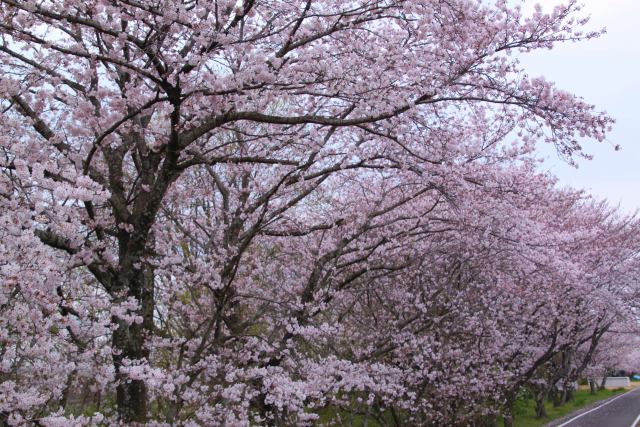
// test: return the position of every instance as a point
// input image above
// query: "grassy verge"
(525, 413)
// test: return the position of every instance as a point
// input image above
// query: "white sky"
(605, 72)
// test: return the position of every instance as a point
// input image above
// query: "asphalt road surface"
(620, 411)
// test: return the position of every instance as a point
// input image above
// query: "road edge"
(559, 421)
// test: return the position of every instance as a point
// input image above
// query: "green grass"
(525, 412)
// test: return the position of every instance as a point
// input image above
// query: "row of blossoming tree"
(272, 212)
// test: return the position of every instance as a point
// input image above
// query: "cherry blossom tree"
(268, 212)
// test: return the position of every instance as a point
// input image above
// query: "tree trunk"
(603, 382)
(568, 392)
(557, 399)
(540, 397)
(129, 342)
(541, 411)
(592, 385)
(508, 418)
(131, 399)
(551, 395)
(509, 421)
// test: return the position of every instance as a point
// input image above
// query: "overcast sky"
(605, 72)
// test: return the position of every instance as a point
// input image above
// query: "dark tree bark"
(508, 418)
(540, 398)
(129, 340)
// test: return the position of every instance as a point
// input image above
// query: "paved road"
(619, 411)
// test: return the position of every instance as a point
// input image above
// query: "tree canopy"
(274, 212)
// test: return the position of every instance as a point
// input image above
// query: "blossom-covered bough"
(291, 212)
